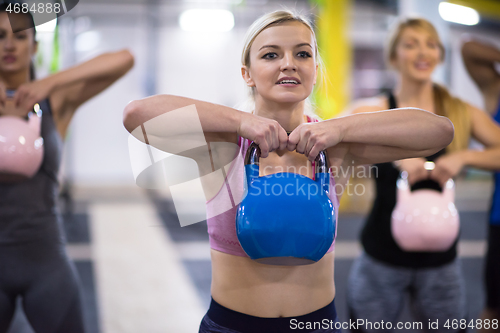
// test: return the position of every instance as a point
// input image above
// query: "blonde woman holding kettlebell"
(280, 66)
(386, 272)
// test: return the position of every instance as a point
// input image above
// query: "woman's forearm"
(476, 51)
(154, 109)
(104, 66)
(488, 159)
(408, 128)
(174, 124)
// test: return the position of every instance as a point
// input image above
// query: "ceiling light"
(206, 20)
(458, 14)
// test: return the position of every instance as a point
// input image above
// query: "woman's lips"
(9, 59)
(287, 84)
(288, 81)
(422, 65)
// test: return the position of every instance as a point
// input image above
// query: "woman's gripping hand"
(267, 133)
(311, 138)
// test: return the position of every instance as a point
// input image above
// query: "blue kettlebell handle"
(252, 165)
(253, 156)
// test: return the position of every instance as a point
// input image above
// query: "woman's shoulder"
(372, 104)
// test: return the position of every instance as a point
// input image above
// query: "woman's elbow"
(129, 59)
(130, 115)
(125, 59)
(446, 132)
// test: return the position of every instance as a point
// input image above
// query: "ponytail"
(456, 110)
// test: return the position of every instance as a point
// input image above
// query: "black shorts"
(492, 272)
(220, 319)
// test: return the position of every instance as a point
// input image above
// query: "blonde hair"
(265, 21)
(444, 103)
(457, 111)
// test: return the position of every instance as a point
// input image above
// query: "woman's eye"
(270, 55)
(21, 36)
(304, 54)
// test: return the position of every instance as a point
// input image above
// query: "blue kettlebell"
(285, 218)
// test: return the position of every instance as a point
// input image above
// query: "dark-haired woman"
(33, 261)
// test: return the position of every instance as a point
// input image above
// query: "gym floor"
(141, 272)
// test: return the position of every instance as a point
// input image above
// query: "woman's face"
(282, 63)
(16, 49)
(417, 54)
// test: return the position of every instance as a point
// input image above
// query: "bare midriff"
(269, 291)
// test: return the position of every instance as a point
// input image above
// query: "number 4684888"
(40, 7)
(473, 324)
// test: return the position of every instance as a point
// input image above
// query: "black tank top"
(28, 208)
(376, 236)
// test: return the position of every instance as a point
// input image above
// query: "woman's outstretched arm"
(375, 137)
(480, 59)
(70, 88)
(173, 121)
(201, 131)
(486, 131)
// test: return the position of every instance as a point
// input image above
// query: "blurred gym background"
(142, 272)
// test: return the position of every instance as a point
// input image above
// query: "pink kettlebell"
(21, 146)
(425, 220)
